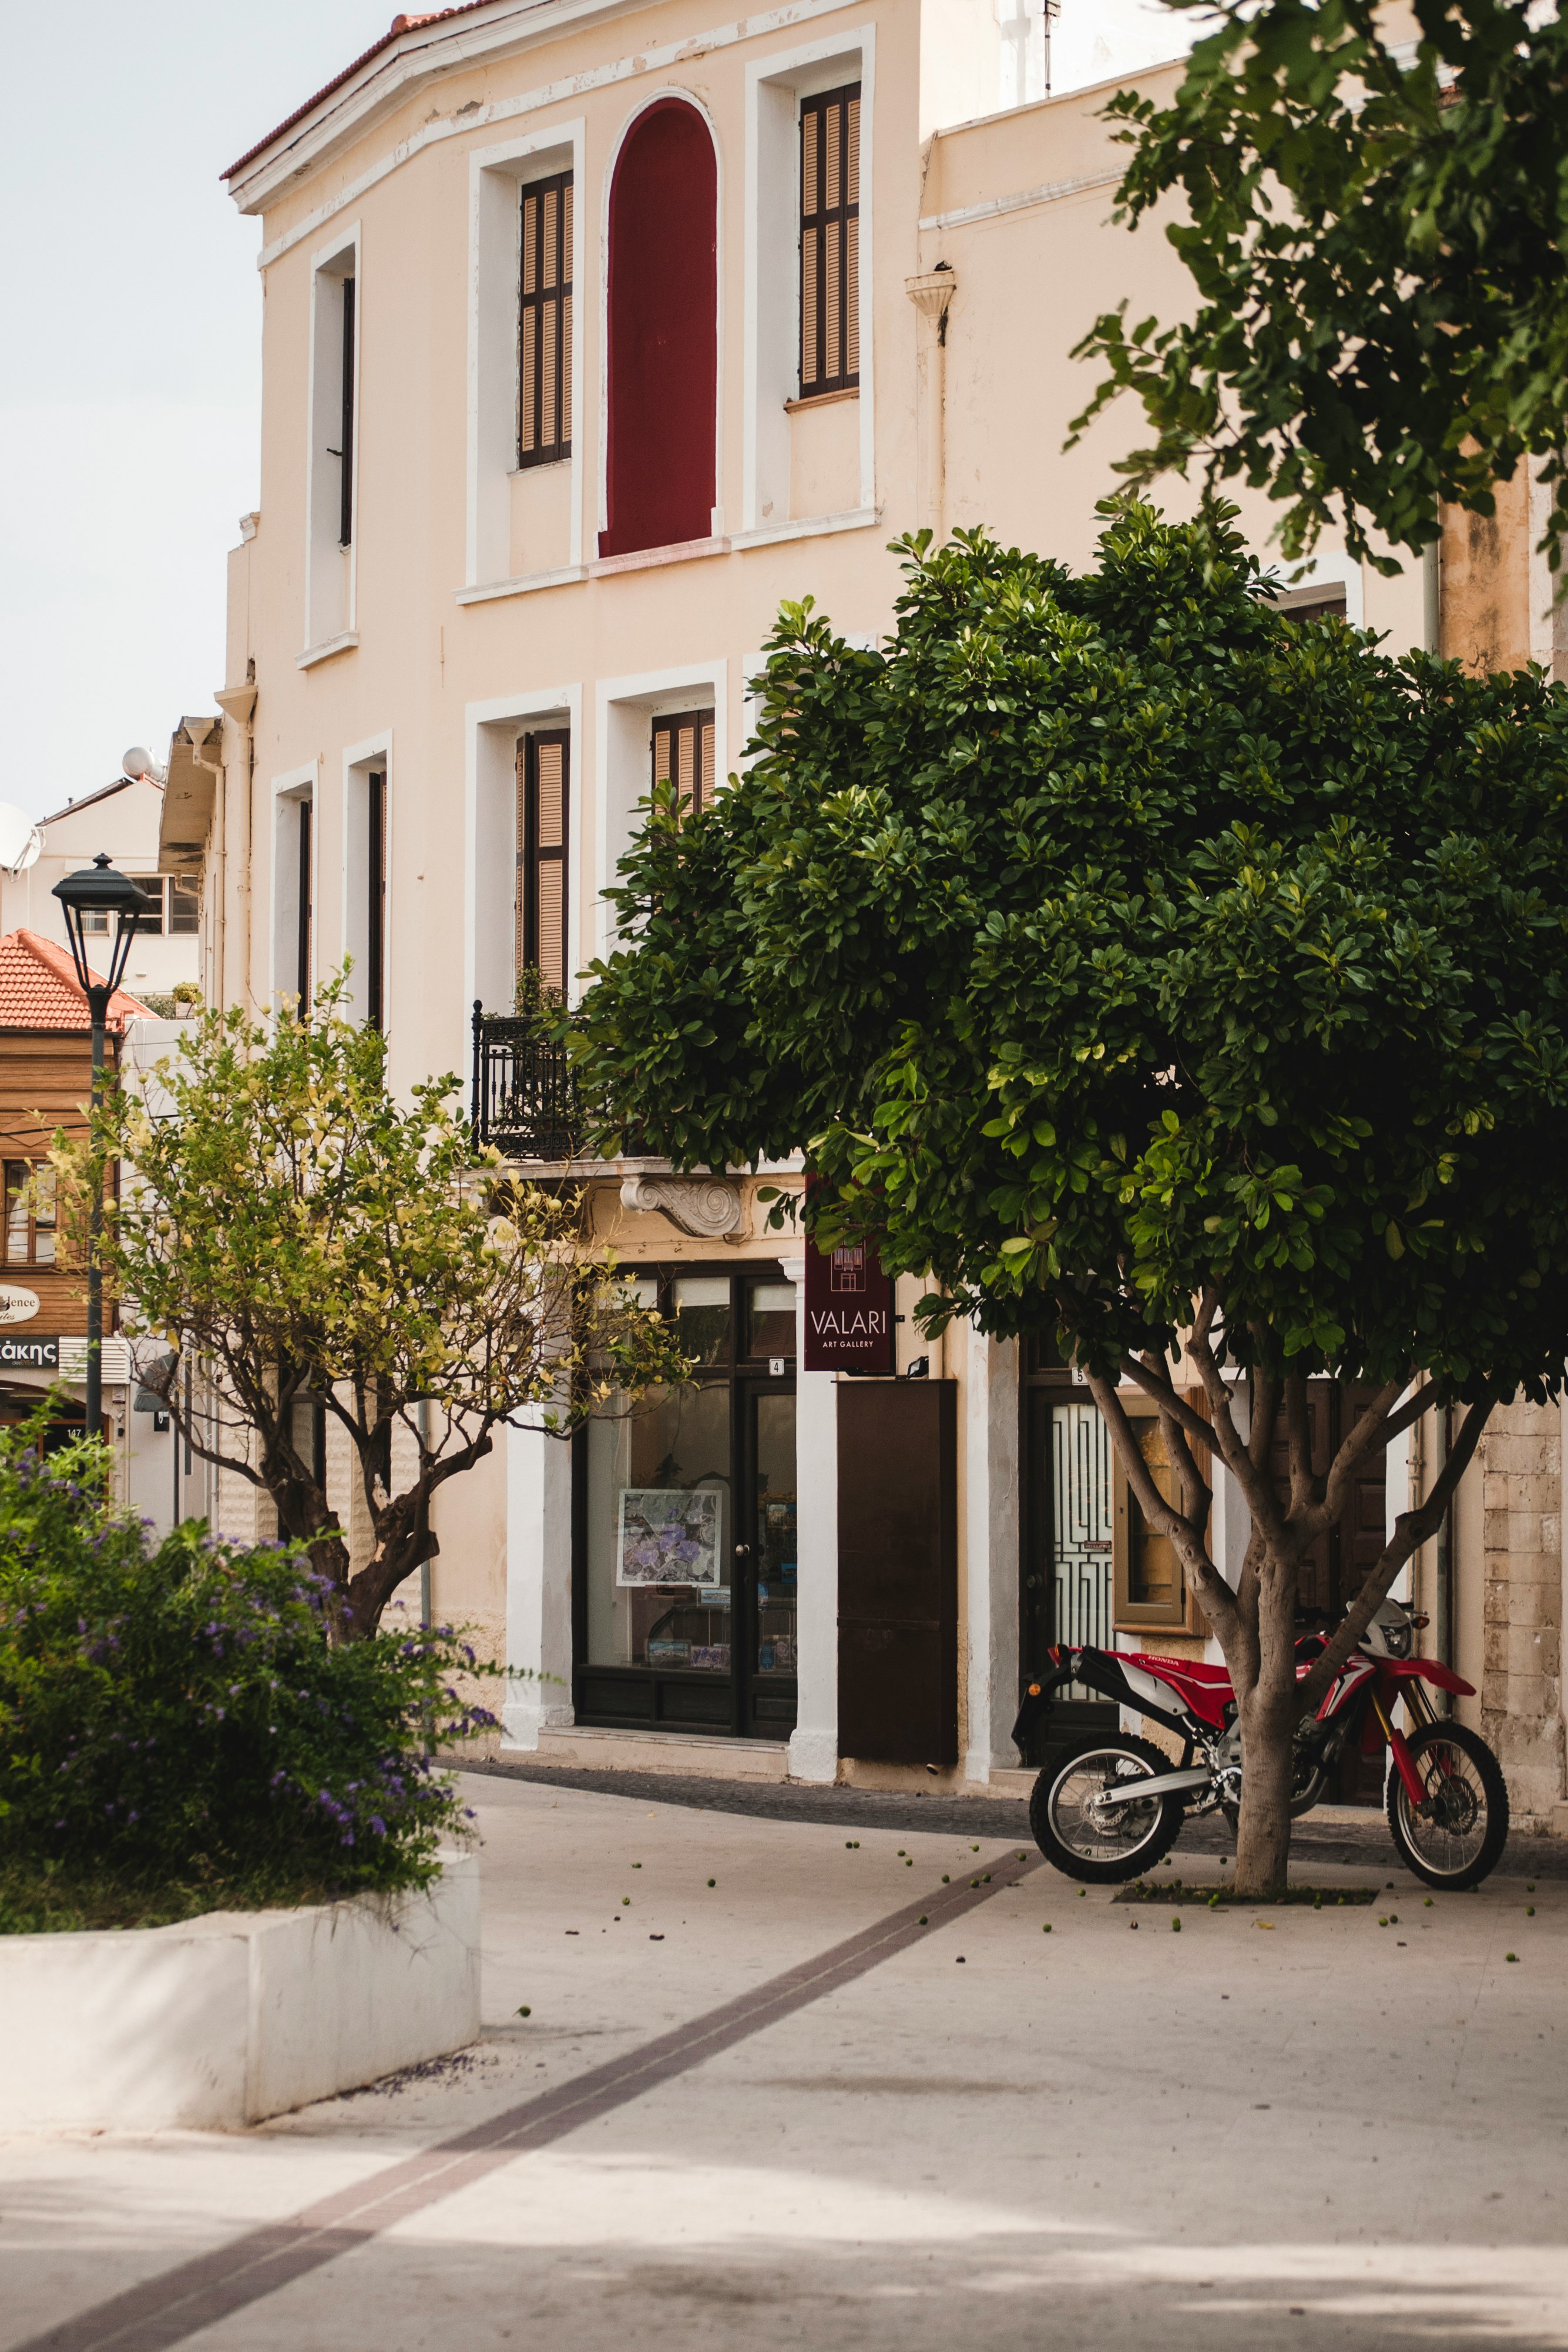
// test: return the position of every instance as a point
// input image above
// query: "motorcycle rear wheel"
(1097, 1845)
(1460, 1841)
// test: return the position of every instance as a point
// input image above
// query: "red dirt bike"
(1111, 1807)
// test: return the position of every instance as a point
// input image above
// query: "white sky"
(129, 358)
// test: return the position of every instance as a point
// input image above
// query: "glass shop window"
(1151, 1590)
(702, 1317)
(770, 1318)
(660, 1530)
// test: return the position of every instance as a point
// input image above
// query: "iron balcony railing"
(525, 1098)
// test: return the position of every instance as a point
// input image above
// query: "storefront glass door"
(684, 1555)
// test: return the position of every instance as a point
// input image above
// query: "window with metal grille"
(543, 768)
(684, 752)
(830, 241)
(29, 1213)
(544, 354)
(376, 898)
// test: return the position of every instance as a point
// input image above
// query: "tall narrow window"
(661, 315)
(544, 356)
(29, 1213)
(376, 904)
(542, 779)
(830, 241)
(684, 751)
(184, 903)
(346, 433)
(302, 943)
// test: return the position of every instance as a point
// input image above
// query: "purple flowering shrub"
(174, 1712)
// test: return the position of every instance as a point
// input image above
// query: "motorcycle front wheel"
(1456, 1837)
(1085, 1837)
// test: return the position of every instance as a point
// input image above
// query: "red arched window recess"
(663, 332)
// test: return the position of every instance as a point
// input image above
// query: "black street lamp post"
(99, 889)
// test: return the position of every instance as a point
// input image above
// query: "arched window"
(663, 332)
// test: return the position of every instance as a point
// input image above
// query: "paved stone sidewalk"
(1112, 2135)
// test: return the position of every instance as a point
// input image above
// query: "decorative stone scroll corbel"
(704, 1206)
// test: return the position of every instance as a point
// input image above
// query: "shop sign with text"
(36, 1353)
(848, 1312)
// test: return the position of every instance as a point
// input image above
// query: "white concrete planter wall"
(221, 2020)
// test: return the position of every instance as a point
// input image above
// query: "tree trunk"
(1263, 1836)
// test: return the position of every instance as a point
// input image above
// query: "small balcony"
(525, 1100)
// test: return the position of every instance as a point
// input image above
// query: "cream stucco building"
(592, 332)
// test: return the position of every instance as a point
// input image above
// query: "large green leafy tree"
(1376, 238)
(1165, 977)
(306, 1245)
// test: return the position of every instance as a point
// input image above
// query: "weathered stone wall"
(1521, 1569)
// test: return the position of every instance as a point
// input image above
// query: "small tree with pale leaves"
(302, 1240)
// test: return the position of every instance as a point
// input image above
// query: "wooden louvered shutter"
(544, 357)
(684, 750)
(830, 241)
(543, 768)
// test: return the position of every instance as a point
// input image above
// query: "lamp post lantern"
(99, 889)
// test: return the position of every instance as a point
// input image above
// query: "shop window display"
(686, 1547)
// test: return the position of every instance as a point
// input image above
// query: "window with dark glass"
(29, 1213)
(376, 898)
(543, 769)
(544, 351)
(306, 911)
(346, 478)
(830, 241)
(683, 753)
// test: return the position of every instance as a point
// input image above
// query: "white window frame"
(715, 518)
(775, 87)
(496, 177)
(288, 791)
(624, 712)
(490, 840)
(331, 571)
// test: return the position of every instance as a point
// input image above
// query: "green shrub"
(174, 1719)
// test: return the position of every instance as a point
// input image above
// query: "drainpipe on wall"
(932, 294)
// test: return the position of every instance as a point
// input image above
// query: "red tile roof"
(39, 989)
(400, 25)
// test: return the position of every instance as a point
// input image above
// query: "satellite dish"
(20, 840)
(138, 762)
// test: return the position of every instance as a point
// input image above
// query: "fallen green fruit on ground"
(712, 1882)
(1175, 1927)
(1046, 1929)
(525, 2013)
(1530, 1910)
(921, 1921)
(1510, 1956)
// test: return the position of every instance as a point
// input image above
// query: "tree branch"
(1411, 1530)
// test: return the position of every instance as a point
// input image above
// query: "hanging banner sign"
(848, 1312)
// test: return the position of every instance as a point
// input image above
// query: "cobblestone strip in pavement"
(171, 2308)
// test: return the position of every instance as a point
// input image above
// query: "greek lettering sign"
(33, 1354)
(848, 1312)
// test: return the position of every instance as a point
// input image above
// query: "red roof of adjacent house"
(400, 25)
(39, 989)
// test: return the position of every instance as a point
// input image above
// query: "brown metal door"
(898, 1571)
